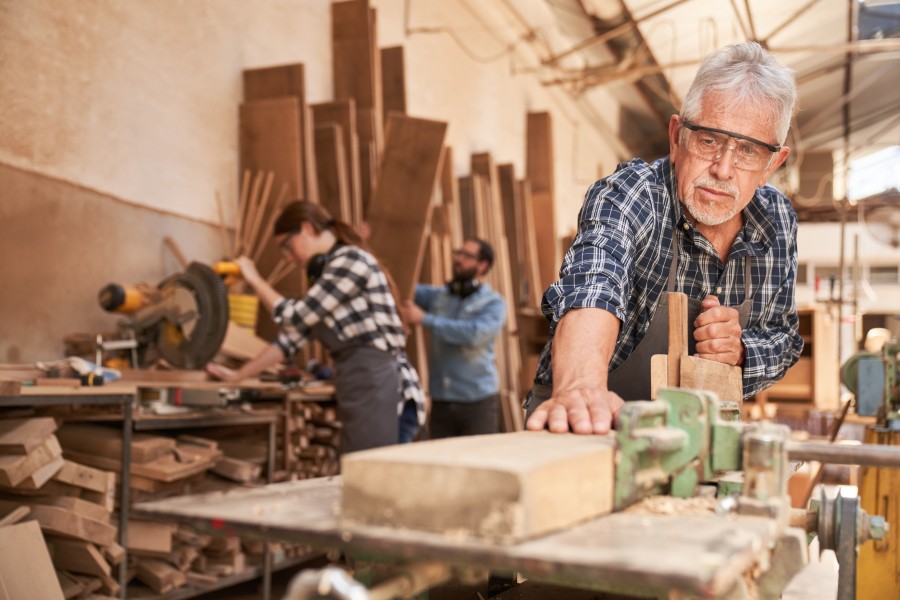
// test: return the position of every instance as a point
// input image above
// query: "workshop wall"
(118, 127)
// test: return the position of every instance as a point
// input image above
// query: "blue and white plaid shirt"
(620, 259)
(352, 298)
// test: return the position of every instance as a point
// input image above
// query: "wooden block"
(678, 336)
(240, 343)
(14, 468)
(107, 442)
(58, 382)
(78, 557)
(113, 553)
(160, 576)
(724, 380)
(659, 373)
(503, 487)
(60, 521)
(39, 478)
(149, 536)
(91, 584)
(71, 587)
(237, 470)
(21, 436)
(85, 477)
(77, 505)
(201, 580)
(16, 515)
(26, 570)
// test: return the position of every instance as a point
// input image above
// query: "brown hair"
(298, 212)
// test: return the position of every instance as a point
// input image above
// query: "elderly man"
(702, 221)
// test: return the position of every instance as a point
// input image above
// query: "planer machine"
(684, 446)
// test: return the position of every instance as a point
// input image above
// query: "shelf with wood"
(811, 384)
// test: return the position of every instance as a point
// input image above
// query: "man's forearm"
(582, 347)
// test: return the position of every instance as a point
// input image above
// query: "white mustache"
(719, 186)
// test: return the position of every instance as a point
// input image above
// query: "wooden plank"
(237, 470)
(78, 556)
(159, 575)
(539, 171)
(15, 468)
(280, 81)
(450, 199)
(68, 523)
(393, 77)
(369, 156)
(107, 442)
(702, 374)
(678, 336)
(514, 229)
(26, 570)
(412, 160)
(536, 289)
(659, 373)
(188, 460)
(331, 169)
(88, 478)
(21, 436)
(356, 61)
(536, 482)
(343, 113)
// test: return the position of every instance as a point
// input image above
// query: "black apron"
(631, 379)
(367, 390)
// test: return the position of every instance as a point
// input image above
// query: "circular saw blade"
(190, 338)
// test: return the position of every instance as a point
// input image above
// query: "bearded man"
(463, 318)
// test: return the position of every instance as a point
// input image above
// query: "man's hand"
(581, 410)
(411, 312)
(718, 333)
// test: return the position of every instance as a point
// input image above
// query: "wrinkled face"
(465, 262)
(717, 173)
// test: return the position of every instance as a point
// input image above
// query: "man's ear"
(779, 159)
(674, 131)
(483, 268)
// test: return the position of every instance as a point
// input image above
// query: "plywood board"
(393, 77)
(503, 487)
(343, 113)
(281, 81)
(26, 570)
(331, 168)
(412, 160)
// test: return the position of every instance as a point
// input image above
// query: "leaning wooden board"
(653, 553)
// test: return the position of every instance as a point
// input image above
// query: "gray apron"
(631, 379)
(367, 390)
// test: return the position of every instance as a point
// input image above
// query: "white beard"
(712, 214)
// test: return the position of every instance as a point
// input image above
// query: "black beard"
(460, 274)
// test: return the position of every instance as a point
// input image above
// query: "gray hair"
(746, 73)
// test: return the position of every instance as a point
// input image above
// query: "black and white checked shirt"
(352, 298)
(620, 259)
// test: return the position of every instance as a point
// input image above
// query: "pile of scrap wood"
(70, 503)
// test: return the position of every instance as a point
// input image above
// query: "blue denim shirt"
(461, 363)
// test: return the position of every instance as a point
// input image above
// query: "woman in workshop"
(349, 307)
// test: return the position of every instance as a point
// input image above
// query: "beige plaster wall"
(118, 127)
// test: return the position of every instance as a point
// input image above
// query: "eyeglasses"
(463, 253)
(285, 244)
(709, 143)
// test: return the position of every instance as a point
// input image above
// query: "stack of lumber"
(159, 465)
(315, 437)
(70, 503)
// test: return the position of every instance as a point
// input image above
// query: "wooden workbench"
(651, 554)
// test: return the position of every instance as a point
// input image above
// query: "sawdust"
(670, 505)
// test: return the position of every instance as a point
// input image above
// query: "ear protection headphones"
(463, 289)
(317, 262)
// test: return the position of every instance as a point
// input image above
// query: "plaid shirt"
(620, 259)
(353, 299)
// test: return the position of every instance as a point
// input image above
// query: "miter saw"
(184, 317)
